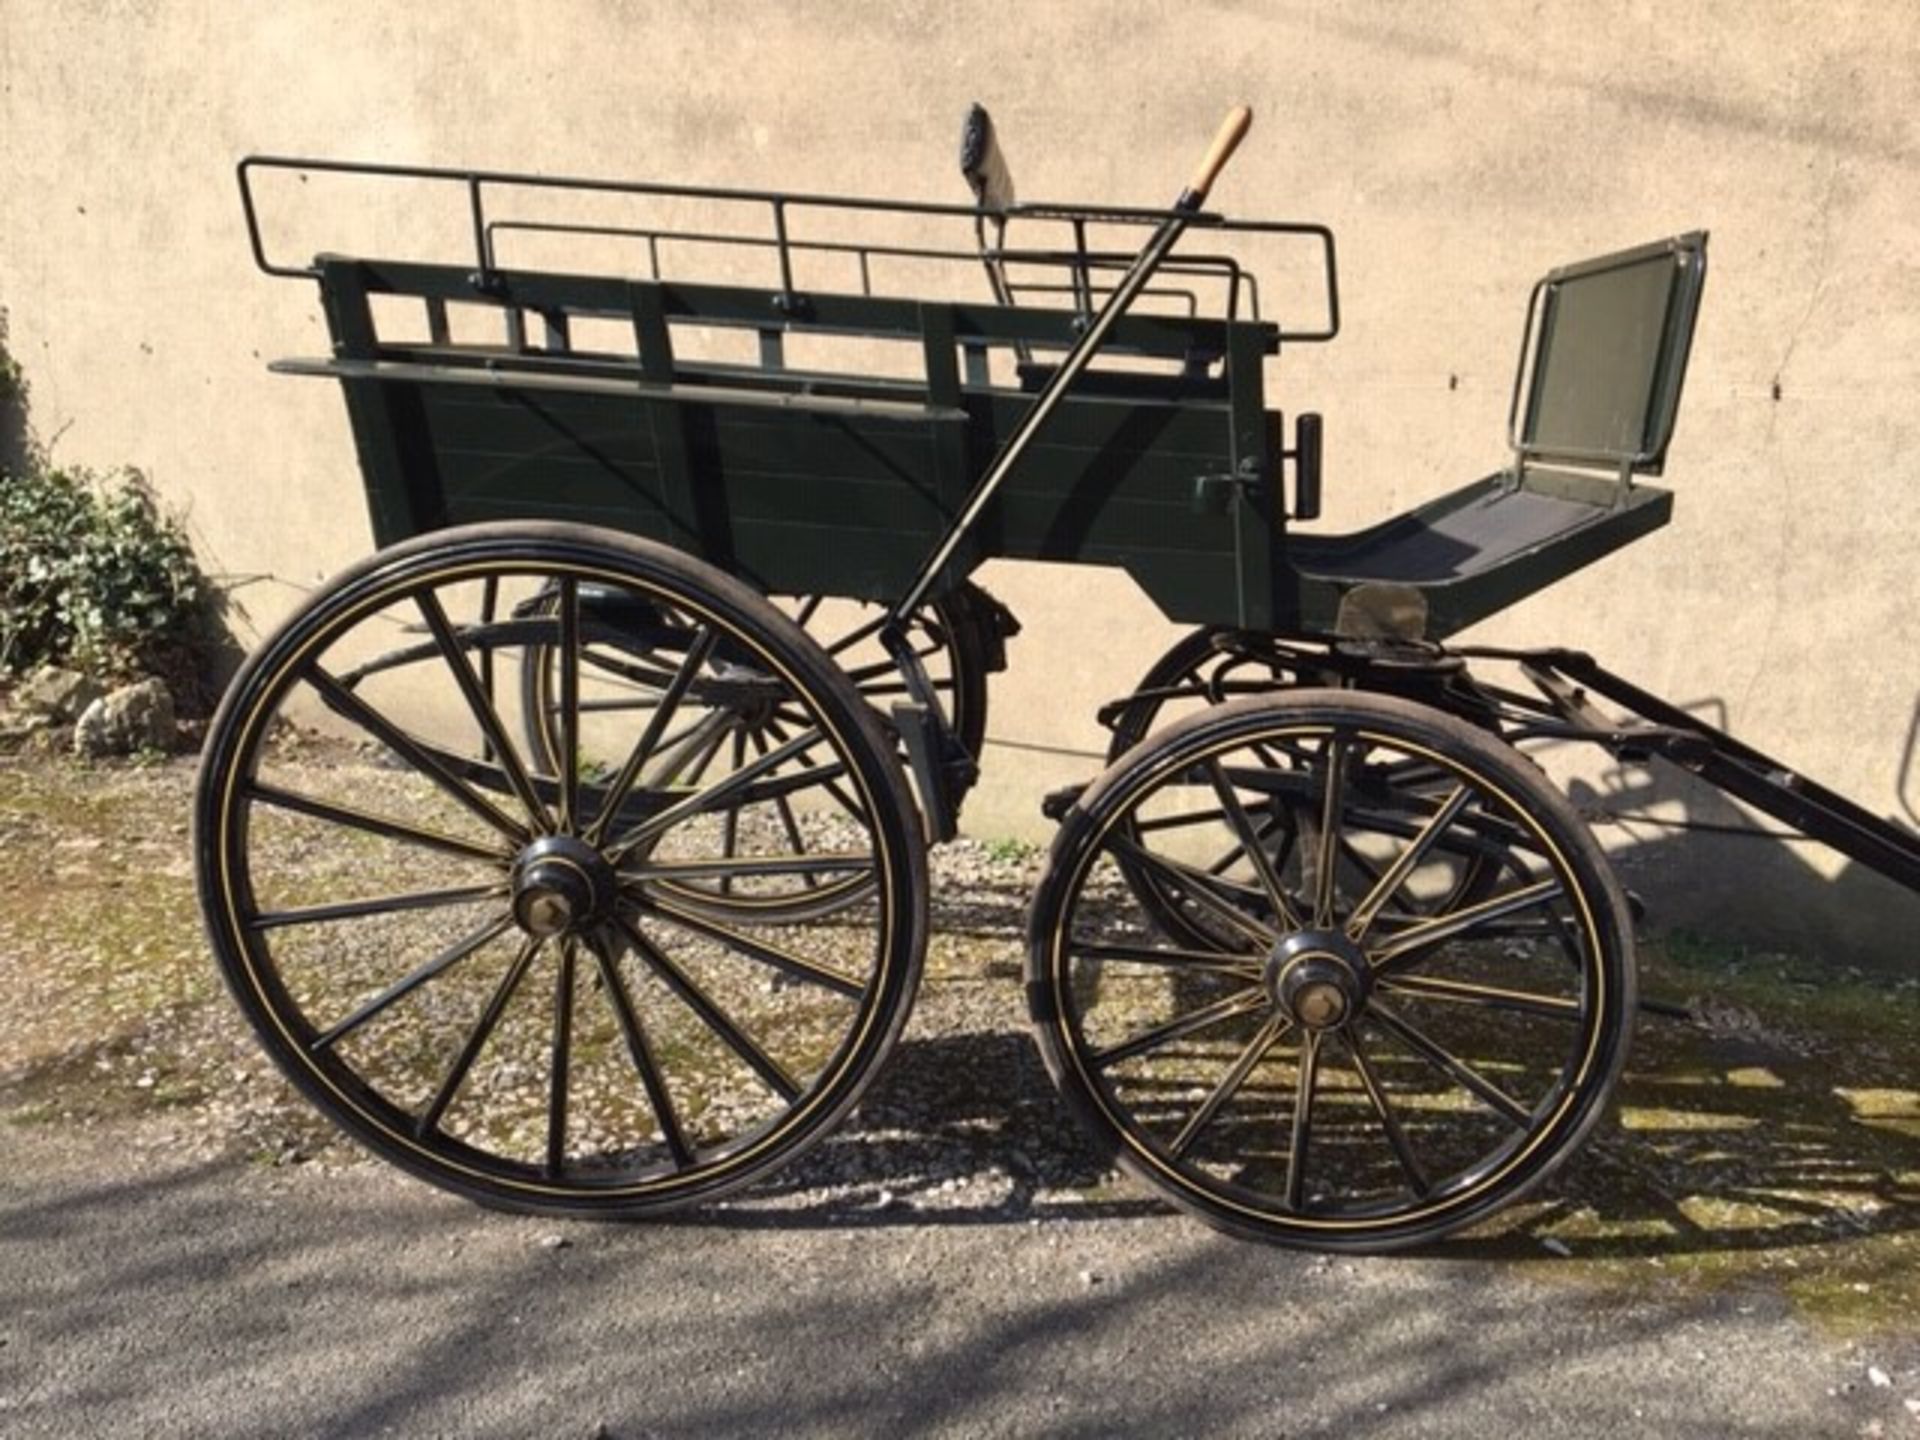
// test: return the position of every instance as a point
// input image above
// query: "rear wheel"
(1200, 669)
(1331, 1054)
(482, 965)
(954, 637)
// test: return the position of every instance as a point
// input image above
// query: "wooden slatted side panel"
(397, 462)
(790, 502)
(543, 454)
(1111, 481)
(815, 500)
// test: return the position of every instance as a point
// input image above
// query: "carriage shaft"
(1748, 775)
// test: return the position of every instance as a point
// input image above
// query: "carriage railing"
(1084, 287)
(1079, 260)
(1080, 263)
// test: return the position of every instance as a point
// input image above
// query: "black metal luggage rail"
(1076, 259)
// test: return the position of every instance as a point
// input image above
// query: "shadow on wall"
(1762, 885)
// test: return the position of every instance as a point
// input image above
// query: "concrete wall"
(1458, 151)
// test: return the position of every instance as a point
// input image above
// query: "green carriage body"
(803, 482)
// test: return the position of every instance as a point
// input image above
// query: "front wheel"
(482, 966)
(1331, 1054)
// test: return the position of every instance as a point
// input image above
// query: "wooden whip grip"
(1232, 131)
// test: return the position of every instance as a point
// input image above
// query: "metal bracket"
(943, 770)
(1056, 803)
(1215, 494)
(917, 733)
(1625, 490)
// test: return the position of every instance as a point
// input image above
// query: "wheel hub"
(1319, 978)
(561, 885)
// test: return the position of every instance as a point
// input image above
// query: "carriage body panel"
(839, 483)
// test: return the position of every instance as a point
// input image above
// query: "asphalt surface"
(152, 1295)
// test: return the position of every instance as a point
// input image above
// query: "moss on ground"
(1772, 1143)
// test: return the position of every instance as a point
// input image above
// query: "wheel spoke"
(1229, 1084)
(717, 794)
(569, 767)
(880, 669)
(411, 981)
(730, 822)
(1326, 852)
(1199, 961)
(702, 757)
(1434, 987)
(1350, 853)
(1225, 863)
(1389, 1123)
(797, 966)
(647, 701)
(854, 637)
(641, 1053)
(784, 809)
(1406, 862)
(846, 802)
(1241, 1002)
(1176, 822)
(1289, 778)
(1302, 1119)
(1254, 847)
(475, 693)
(1463, 1074)
(344, 702)
(687, 750)
(1398, 947)
(751, 865)
(489, 604)
(372, 824)
(642, 751)
(640, 679)
(715, 1019)
(808, 604)
(560, 1065)
(871, 691)
(1195, 886)
(378, 905)
(477, 1038)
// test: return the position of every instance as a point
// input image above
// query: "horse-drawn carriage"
(673, 665)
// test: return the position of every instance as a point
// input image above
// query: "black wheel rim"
(531, 1014)
(1457, 1048)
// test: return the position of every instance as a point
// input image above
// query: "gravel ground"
(190, 1250)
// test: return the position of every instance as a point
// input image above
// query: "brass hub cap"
(1319, 978)
(561, 886)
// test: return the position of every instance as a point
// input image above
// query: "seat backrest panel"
(1604, 356)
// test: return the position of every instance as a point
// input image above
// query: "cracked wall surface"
(1457, 151)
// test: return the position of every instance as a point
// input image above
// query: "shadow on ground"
(1737, 1132)
(381, 1308)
